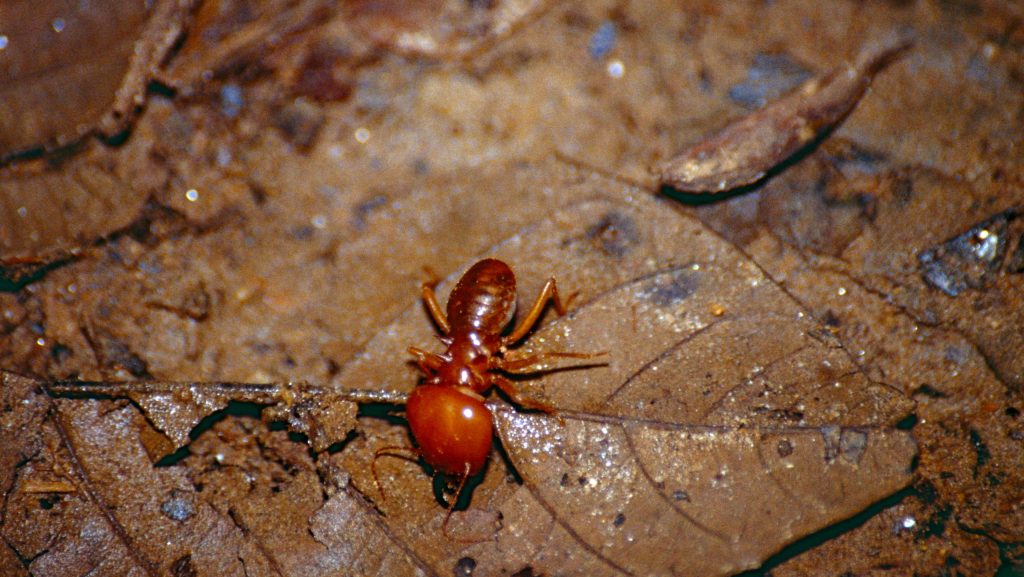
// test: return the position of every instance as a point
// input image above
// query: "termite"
(447, 417)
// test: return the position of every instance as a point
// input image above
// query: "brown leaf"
(70, 68)
(123, 515)
(175, 409)
(745, 151)
(707, 358)
(50, 214)
(724, 415)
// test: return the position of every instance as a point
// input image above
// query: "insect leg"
(550, 291)
(430, 299)
(407, 453)
(427, 361)
(536, 363)
(517, 396)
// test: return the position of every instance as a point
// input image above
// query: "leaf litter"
(266, 486)
(657, 422)
(638, 440)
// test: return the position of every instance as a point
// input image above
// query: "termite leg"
(534, 363)
(550, 291)
(433, 307)
(427, 361)
(407, 453)
(517, 396)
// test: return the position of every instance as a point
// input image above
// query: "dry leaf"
(746, 150)
(70, 68)
(300, 179)
(717, 387)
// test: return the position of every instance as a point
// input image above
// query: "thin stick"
(262, 393)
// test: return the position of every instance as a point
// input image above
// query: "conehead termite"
(447, 417)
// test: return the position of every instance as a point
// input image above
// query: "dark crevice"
(16, 276)
(1008, 566)
(25, 561)
(907, 423)
(173, 458)
(835, 531)
(981, 451)
(339, 446)
(233, 409)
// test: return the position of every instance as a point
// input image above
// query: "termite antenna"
(451, 509)
(406, 453)
(433, 279)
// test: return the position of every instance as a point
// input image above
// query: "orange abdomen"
(484, 299)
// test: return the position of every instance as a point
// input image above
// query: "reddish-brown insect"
(446, 413)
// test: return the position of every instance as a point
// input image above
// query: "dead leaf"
(746, 150)
(713, 434)
(71, 68)
(49, 215)
(712, 360)
(128, 516)
(298, 257)
(175, 409)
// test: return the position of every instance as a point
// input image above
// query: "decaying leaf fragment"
(175, 408)
(969, 259)
(255, 506)
(746, 150)
(69, 68)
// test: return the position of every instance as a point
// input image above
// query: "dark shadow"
(233, 409)
(13, 278)
(384, 411)
(1008, 567)
(446, 485)
(827, 534)
(704, 198)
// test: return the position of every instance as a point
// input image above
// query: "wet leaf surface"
(737, 372)
(787, 387)
(69, 68)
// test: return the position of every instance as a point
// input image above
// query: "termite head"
(453, 428)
